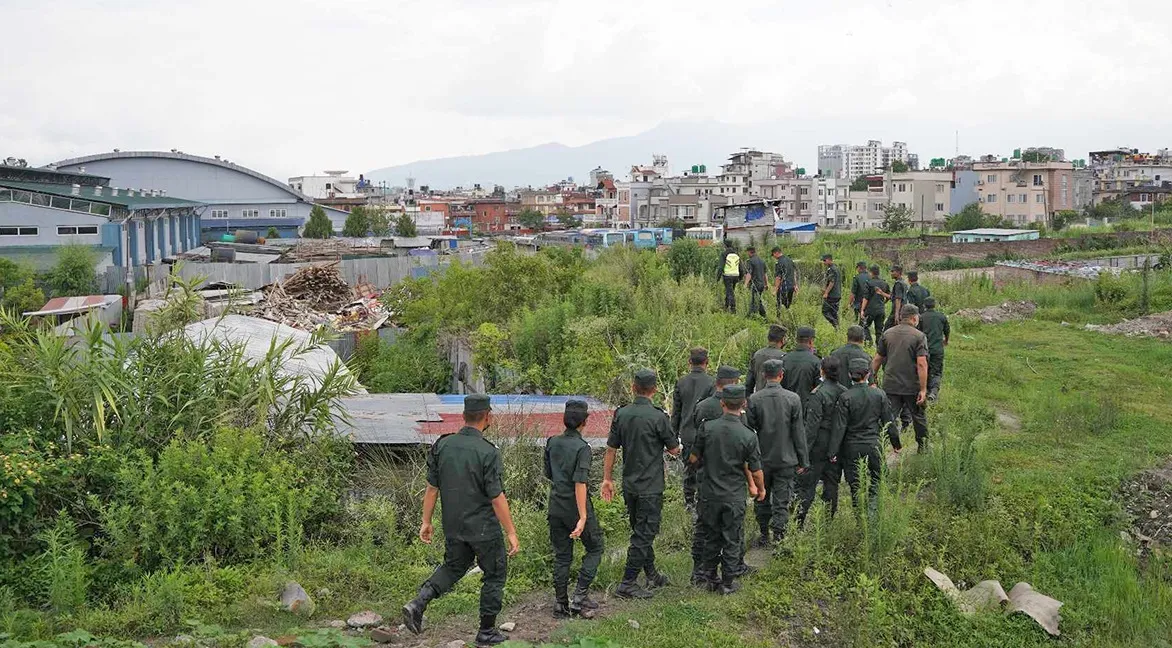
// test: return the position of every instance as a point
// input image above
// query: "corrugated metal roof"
(137, 201)
(67, 305)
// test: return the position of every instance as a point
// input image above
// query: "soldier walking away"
(755, 280)
(693, 387)
(571, 514)
(802, 366)
(464, 472)
(917, 294)
(775, 414)
(819, 417)
(728, 449)
(785, 279)
(643, 432)
(874, 304)
(730, 271)
(898, 297)
(861, 414)
(831, 290)
(859, 289)
(902, 352)
(847, 352)
(756, 379)
(935, 326)
(708, 410)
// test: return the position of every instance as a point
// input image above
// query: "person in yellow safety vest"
(731, 272)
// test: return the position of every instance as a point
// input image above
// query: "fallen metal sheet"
(988, 595)
(1041, 608)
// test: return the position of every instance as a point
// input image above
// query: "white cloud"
(293, 86)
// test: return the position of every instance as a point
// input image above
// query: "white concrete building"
(845, 161)
(332, 184)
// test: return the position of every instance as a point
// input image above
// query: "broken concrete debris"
(1006, 312)
(1158, 325)
(989, 595)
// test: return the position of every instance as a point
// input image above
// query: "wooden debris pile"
(317, 296)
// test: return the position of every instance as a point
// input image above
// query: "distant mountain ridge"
(685, 144)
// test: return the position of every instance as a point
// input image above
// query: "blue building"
(964, 190)
(236, 197)
(44, 209)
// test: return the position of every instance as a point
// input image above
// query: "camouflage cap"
(806, 333)
(726, 372)
(474, 403)
(646, 378)
(732, 392)
(858, 365)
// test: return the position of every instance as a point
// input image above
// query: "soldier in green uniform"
(755, 281)
(693, 387)
(802, 366)
(785, 279)
(831, 290)
(707, 410)
(902, 353)
(643, 431)
(728, 449)
(819, 418)
(935, 326)
(898, 297)
(874, 303)
(847, 352)
(756, 379)
(464, 472)
(775, 414)
(859, 289)
(916, 292)
(860, 416)
(571, 514)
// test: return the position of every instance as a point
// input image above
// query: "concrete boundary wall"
(913, 250)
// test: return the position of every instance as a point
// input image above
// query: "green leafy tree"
(23, 297)
(896, 218)
(859, 184)
(531, 219)
(272, 233)
(971, 217)
(357, 223)
(673, 223)
(318, 226)
(74, 274)
(405, 226)
(568, 220)
(380, 222)
(1062, 219)
(899, 166)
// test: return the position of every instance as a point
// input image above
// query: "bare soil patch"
(1007, 312)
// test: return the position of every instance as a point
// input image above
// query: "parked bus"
(647, 239)
(565, 238)
(609, 238)
(707, 235)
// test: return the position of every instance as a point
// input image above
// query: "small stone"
(1154, 514)
(633, 623)
(337, 624)
(295, 599)
(184, 639)
(817, 631)
(475, 570)
(455, 644)
(383, 634)
(508, 627)
(1125, 536)
(364, 620)
(402, 627)
(261, 641)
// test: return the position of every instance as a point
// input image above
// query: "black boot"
(413, 611)
(763, 541)
(489, 635)
(656, 580)
(728, 586)
(561, 606)
(630, 589)
(578, 603)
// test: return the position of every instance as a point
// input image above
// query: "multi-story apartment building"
(807, 200)
(1025, 192)
(1118, 171)
(848, 162)
(546, 201)
(928, 194)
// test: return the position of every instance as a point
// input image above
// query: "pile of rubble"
(1157, 326)
(318, 295)
(1007, 312)
(1147, 498)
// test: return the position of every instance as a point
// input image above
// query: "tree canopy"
(531, 219)
(405, 226)
(318, 226)
(74, 273)
(357, 223)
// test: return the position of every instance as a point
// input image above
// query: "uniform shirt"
(788, 272)
(730, 265)
(859, 415)
(876, 303)
(757, 271)
(845, 354)
(916, 294)
(935, 326)
(726, 447)
(707, 410)
(567, 463)
(802, 370)
(775, 414)
(834, 280)
(819, 419)
(642, 430)
(898, 291)
(756, 379)
(900, 346)
(466, 468)
(859, 288)
(694, 387)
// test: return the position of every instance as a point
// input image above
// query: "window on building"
(219, 213)
(329, 186)
(18, 231)
(805, 205)
(939, 207)
(1037, 179)
(805, 191)
(939, 188)
(902, 186)
(991, 178)
(277, 213)
(991, 198)
(73, 230)
(1022, 198)
(1010, 198)
(250, 213)
(1040, 198)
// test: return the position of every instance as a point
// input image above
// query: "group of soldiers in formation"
(795, 421)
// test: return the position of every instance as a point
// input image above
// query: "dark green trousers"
(830, 310)
(563, 550)
(490, 555)
(644, 513)
(772, 513)
(935, 372)
(830, 474)
(724, 531)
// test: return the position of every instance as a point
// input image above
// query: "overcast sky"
(293, 87)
